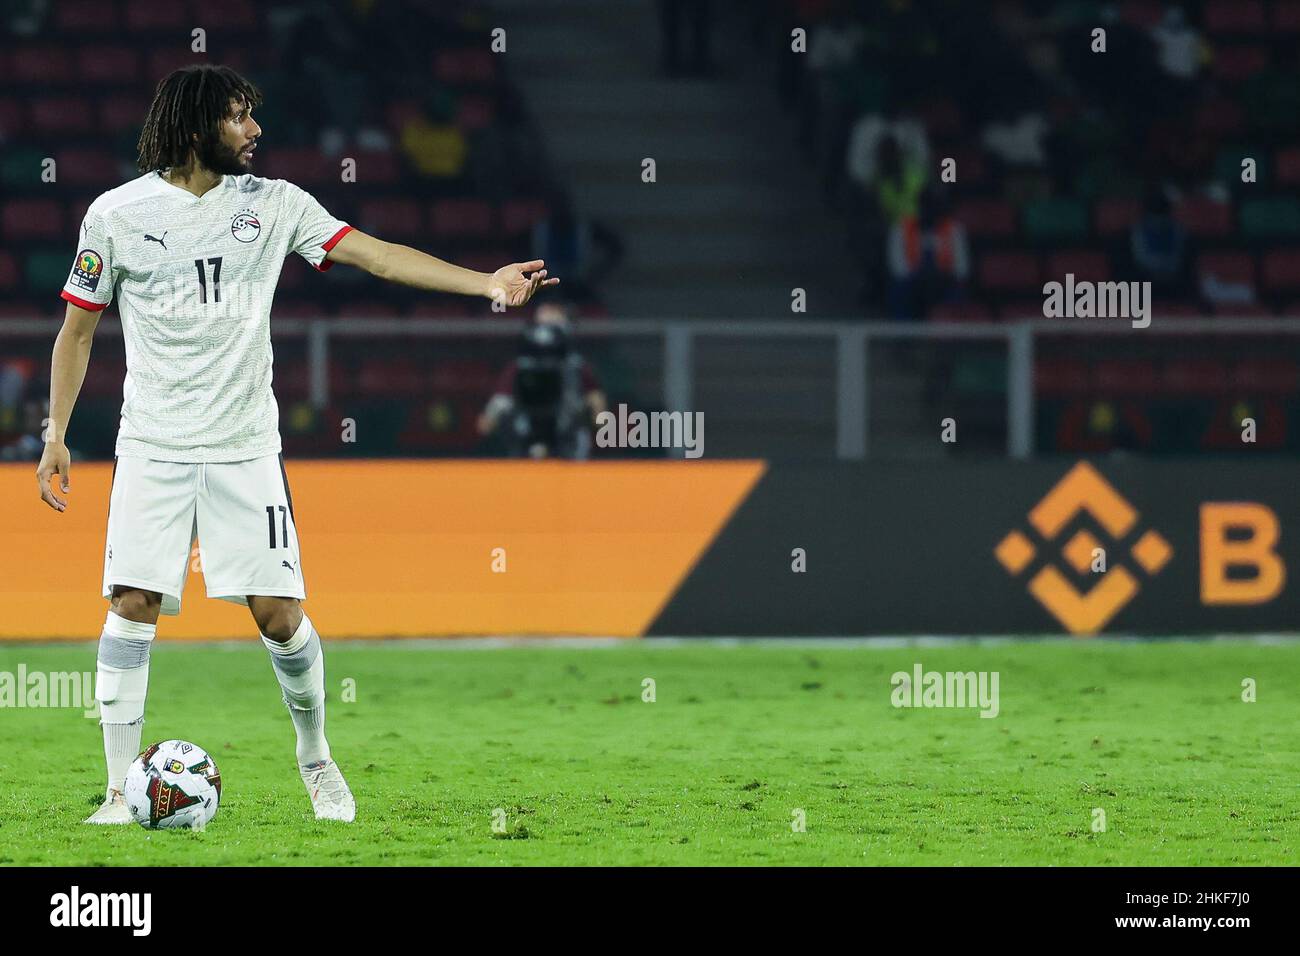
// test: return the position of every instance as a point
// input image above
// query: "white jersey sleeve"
(90, 283)
(315, 230)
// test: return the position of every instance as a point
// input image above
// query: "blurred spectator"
(910, 147)
(1158, 244)
(898, 181)
(928, 258)
(1017, 142)
(1178, 45)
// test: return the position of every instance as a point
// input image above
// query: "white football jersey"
(194, 278)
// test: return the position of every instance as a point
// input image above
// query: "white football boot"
(330, 796)
(113, 810)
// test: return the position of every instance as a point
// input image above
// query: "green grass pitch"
(712, 772)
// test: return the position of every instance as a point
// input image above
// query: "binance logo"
(1083, 489)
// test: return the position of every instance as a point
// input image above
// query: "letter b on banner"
(1254, 550)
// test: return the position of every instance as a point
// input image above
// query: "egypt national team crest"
(245, 226)
(87, 270)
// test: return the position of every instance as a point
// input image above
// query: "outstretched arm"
(512, 284)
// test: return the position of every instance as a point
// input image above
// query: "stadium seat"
(375, 167)
(468, 376)
(148, 16)
(475, 112)
(62, 114)
(1235, 16)
(13, 118)
(294, 376)
(488, 260)
(1050, 221)
(123, 112)
(26, 309)
(26, 219)
(1126, 377)
(77, 17)
(1236, 267)
(470, 218)
(1141, 13)
(1194, 377)
(1203, 217)
(20, 169)
(9, 272)
(1115, 215)
(1286, 166)
(303, 165)
(1059, 377)
(104, 376)
(1218, 116)
(48, 271)
(383, 378)
(1277, 217)
(1286, 16)
(942, 118)
(519, 215)
(986, 218)
(1237, 62)
(1010, 271)
(40, 65)
(239, 16)
(470, 66)
(87, 167)
(1281, 269)
(167, 59)
(1083, 263)
(1266, 375)
(391, 218)
(108, 65)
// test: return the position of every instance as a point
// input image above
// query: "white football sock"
(300, 667)
(121, 685)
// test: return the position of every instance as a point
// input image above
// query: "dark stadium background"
(750, 281)
(483, 158)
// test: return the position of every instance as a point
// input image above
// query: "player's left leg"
(299, 664)
(248, 548)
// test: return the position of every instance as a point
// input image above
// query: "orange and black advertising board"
(722, 548)
(1072, 547)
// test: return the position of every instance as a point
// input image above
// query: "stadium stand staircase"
(725, 231)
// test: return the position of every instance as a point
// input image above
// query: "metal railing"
(679, 342)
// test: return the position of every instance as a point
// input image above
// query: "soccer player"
(192, 249)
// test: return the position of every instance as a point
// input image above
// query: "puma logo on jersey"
(161, 242)
(286, 564)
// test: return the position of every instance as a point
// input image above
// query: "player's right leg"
(146, 557)
(121, 684)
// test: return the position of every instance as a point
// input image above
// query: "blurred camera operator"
(546, 400)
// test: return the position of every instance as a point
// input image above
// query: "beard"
(220, 158)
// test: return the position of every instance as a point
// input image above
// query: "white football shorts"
(240, 512)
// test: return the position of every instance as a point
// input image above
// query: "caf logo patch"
(245, 226)
(87, 270)
(174, 766)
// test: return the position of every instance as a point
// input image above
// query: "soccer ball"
(173, 784)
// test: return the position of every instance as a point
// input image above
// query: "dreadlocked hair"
(193, 99)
